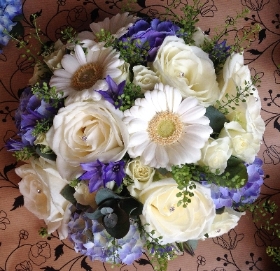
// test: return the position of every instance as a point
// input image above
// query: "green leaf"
(17, 30)
(220, 210)
(18, 18)
(131, 206)
(217, 119)
(237, 173)
(48, 155)
(104, 194)
(68, 193)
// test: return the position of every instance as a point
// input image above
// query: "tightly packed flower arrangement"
(140, 135)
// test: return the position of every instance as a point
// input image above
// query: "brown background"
(21, 248)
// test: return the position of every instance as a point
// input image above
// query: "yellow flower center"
(86, 76)
(165, 128)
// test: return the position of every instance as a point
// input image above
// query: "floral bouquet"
(140, 135)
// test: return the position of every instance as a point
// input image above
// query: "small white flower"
(145, 78)
(86, 71)
(215, 154)
(141, 175)
(166, 131)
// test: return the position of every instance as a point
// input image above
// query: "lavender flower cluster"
(8, 10)
(226, 197)
(90, 238)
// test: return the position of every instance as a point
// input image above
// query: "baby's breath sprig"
(160, 254)
(43, 232)
(130, 94)
(41, 127)
(132, 51)
(69, 34)
(48, 94)
(105, 36)
(25, 153)
(231, 101)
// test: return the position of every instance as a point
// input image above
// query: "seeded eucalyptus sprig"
(25, 153)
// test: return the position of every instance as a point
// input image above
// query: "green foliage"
(131, 93)
(217, 119)
(274, 252)
(41, 127)
(25, 153)
(159, 254)
(43, 232)
(132, 51)
(48, 94)
(69, 34)
(230, 102)
(105, 36)
(68, 193)
(74, 183)
(187, 21)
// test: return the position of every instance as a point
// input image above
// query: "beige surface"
(20, 246)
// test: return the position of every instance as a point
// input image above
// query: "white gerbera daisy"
(117, 26)
(86, 71)
(166, 131)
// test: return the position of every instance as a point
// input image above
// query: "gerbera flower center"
(165, 128)
(86, 76)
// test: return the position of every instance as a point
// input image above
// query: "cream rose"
(54, 59)
(145, 78)
(141, 175)
(244, 145)
(173, 223)
(86, 131)
(186, 68)
(40, 186)
(199, 37)
(83, 196)
(247, 114)
(215, 154)
(224, 222)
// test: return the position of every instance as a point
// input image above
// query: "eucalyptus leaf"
(68, 193)
(106, 210)
(17, 30)
(95, 215)
(220, 210)
(110, 220)
(122, 227)
(104, 194)
(217, 119)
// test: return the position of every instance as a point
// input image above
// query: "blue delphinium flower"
(227, 197)
(219, 53)
(91, 239)
(31, 110)
(153, 33)
(114, 91)
(8, 10)
(99, 174)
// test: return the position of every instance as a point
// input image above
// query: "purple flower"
(114, 92)
(153, 33)
(31, 110)
(231, 197)
(91, 239)
(219, 53)
(99, 174)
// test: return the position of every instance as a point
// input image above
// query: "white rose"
(215, 154)
(141, 175)
(40, 186)
(83, 196)
(173, 223)
(244, 145)
(145, 78)
(186, 68)
(54, 59)
(247, 113)
(224, 222)
(84, 132)
(125, 73)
